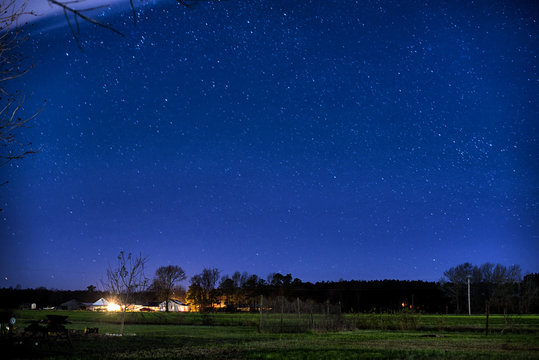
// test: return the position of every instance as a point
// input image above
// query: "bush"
(400, 320)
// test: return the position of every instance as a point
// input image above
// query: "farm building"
(99, 305)
(28, 306)
(175, 306)
(71, 305)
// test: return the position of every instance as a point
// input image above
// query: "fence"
(280, 314)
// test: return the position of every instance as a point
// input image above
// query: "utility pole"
(469, 302)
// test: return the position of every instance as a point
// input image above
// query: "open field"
(235, 336)
(371, 321)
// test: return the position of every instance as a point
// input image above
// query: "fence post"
(260, 316)
(312, 319)
(488, 311)
(282, 310)
(327, 316)
(299, 314)
(327, 307)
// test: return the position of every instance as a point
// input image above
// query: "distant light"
(113, 307)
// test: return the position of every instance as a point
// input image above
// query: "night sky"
(327, 139)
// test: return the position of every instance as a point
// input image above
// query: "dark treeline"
(384, 295)
(501, 288)
(11, 298)
(353, 296)
(493, 286)
(243, 291)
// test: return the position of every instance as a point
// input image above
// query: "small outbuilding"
(28, 306)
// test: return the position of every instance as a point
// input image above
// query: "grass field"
(235, 336)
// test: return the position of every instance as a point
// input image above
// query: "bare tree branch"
(134, 12)
(125, 281)
(78, 13)
(12, 66)
(190, 3)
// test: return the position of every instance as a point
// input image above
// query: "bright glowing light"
(113, 307)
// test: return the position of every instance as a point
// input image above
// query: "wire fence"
(280, 315)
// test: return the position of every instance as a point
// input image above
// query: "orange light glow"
(113, 307)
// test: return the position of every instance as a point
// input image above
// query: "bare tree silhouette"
(125, 280)
(12, 66)
(73, 15)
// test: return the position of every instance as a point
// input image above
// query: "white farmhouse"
(174, 306)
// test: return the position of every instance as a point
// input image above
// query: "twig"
(84, 17)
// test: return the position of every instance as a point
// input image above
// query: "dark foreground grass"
(197, 342)
(175, 340)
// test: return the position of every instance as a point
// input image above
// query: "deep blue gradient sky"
(327, 139)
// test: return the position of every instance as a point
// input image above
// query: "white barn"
(99, 305)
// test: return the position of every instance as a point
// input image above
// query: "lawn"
(234, 336)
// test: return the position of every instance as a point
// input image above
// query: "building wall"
(174, 307)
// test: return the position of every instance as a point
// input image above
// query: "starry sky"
(327, 139)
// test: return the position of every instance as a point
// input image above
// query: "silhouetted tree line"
(497, 287)
(242, 291)
(11, 298)
(501, 288)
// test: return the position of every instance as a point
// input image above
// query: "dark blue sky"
(327, 139)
